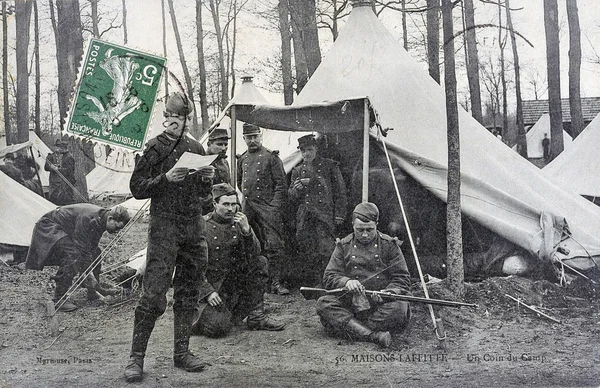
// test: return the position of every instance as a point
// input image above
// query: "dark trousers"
(335, 313)
(270, 230)
(173, 245)
(68, 257)
(242, 294)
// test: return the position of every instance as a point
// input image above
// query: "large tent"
(578, 168)
(499, 189)
(535, 135)
(40, 152)
(20, 208)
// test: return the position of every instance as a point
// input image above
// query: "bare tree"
(553, 68)
(286, 51)
(5, 12)
(454, 233)
(521, 133)
(36, 53)
(535, 81)
(23, 17)
(195, 131)
(433, 39)
(329, 13)
(224, 77)
(306, 40)
(164, 41)
(124, 22)
(577, 123)
(472, 60)
(95, 28)
(502, 44)
(201, 66)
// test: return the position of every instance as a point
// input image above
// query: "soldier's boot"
(362, 333)
(259, 320)
(278, 289)
(143, 325)
(61, 289)
(182, 357)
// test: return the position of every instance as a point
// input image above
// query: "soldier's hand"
(376, 298)
(177, 174)
(214, 299)
(241, 219)
(207, 172)
(297, 184)
(355, 286)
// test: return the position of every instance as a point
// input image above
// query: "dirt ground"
(497, 344)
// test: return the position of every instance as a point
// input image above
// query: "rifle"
(315, 293)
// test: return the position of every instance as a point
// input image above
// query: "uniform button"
(214, 227)
(215, 237)
(375, 245)
(355, 266)
(176, 159)
(258, 163)
(257, 179)
(234, 236)
(376, 255)
(307, 202)
(258, 196)
(354, 257)
(217, 248)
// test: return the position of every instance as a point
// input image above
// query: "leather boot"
(362, 333)
(142, 328)
(59, 291)
(182, 357)
(259, 320)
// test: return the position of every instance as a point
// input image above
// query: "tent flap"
(327, 117)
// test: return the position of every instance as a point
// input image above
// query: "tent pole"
(233, 164)
(365, 170)
(37, 170)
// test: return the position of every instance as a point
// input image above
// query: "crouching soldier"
(237, 277)
(68, 237)
(365, 259)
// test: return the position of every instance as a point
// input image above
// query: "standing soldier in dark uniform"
(546, 147)
(365, 259)
(68, 237)
(61, 165)
(261, 179)
(237, 277)
(318, 192)
(218, 142)
(176, 236)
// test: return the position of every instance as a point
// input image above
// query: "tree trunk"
(311, 38)
(201, 66)
(233, 44)
(433, 39)
(224, 77)
(553, 67)
(124, 23)
(164, 41)
(23, 18)
(297, 20)
(286, 52)
(36, 27)
(502, 43)
(455, 270)
(69, 48)
(521, 133)
(95, 28)
(195, 130)
(577, 123)
(472, 61)
(7, 128)
(404, 29)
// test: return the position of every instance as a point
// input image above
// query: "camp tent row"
(499, 189)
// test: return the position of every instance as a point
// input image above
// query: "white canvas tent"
(536, 134)
(500, 189)
(20, 209)
(577, 169)
(40, 152)
(111, 174)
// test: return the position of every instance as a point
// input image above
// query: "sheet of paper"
(195, 161)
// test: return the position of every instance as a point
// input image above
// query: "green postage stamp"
(115, 95)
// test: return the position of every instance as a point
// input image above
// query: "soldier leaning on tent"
(318, 192)
(237, 276)
(262, 180)
(364, 259)
(61, 165)
(176, 236)
(68, 237)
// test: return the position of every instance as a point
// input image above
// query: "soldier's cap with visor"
(218, 133)
(178, 104)
(60, 143)
(222, 189)
(367, 210)
(251, 129)
(306, 141)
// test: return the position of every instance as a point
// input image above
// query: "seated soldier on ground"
(365, 259)
(237, 277)
(68, 237)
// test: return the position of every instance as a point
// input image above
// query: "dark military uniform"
(176, 238)
(318, 204)
(378, 265)
(60, 191)
(261, 179)
(222, 172)
(236, 271)
(67, 236)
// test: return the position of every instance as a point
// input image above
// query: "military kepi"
(222, 189)
(367, 210)
(251, 129)
(306, 141)
(218, 133)
(179, 104)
